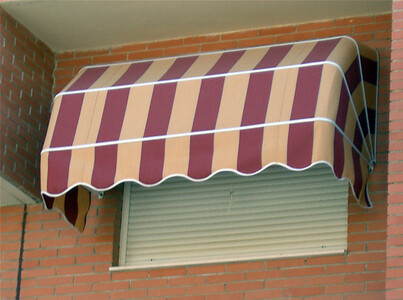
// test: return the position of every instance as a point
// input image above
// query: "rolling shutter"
(276, 212)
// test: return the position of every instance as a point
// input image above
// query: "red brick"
(226, 277)
(277, 30)
(349, 268)
(165, 44)
(206, 269)
(93, 296)
(345, 288)
(365, 277)
(92, 278)
(128, 294)
(74, 63)
(109, 58)
(77, 250)
(307, 291)
(233, 296)
(94, 258)
(74, 270)
(129, 48)
(148, 283)
(239, 35)
(201, 39)
(61, 280)
(145, 54)
(192, 280)
(248, 266)
(111, 286)
(60, 261)
(244, 286)
(36, 292)
(181, 50)
(218, 46)
(206, 289)
(354, 20)
(284, 263)
(167, 272)
(332, 32)
(251, 295)
(283, 283)
(264, 274)
(300, 36)
(315, 25)
(36, 273)
(91, 53)
(73, 289)
(324, 280)
(124, 275)
(167, 292)
(304, 272)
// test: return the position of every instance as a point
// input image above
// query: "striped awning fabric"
(294, 105)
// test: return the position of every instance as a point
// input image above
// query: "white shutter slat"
(275, 212)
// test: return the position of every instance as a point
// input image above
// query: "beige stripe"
(226, 145)
(176, 159)
(364, 172)
(76, 78)
(250, 59)
(110, 76)
(44, 171)
(86, 133)
(349, 130)
(275, 138)
(370, 93)
(156, 70)
(134, 123)
(367, 52)
(202, 65)
(323, 141)
(52, 122)
(82, 160)
(297, 53)
(83, 205)
(327, 106)
(59, 203)
(344, 53)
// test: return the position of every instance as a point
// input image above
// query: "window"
(229, 217)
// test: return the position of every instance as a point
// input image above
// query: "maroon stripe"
(179, 67)
(58, 171)
(202, 147)
(255, 110)
(226, 61)
(71, 205)
(67, 120)
(273, 57)
(152, 152)
(133, 73)
(300, 136)
(104, 170)
(338, 137)
(321, 51)
(89, 76)
(358, 180)
(63, 135)
(49, 201)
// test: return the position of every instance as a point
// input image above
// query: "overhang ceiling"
(82, 25)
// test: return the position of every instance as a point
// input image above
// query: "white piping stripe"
(240, 73)
(212, 131)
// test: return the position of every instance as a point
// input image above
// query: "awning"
(294, 105)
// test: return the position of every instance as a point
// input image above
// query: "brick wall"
(26, 93)
(394, 273)
(58, 261)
